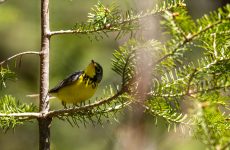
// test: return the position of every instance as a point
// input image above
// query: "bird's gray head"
(99, 72)
(94, 71)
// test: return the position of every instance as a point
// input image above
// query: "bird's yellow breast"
(80, 90)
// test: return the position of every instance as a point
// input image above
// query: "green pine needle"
(8, 105)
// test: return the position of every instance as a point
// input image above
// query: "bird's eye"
(98, 70)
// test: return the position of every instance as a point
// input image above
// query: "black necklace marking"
(91, 81)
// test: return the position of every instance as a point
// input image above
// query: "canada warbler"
(79, 86)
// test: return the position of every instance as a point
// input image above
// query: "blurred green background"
(20, 31)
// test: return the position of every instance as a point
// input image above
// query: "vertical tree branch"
(44, 123)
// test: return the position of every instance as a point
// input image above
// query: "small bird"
(80, 85)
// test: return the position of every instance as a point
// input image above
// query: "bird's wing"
(67, 81)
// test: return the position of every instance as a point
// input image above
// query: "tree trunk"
(44, 123)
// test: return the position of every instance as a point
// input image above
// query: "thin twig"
(19, 54)
(78, 31)
(96, 112)
(61, 112)
(189, 93)
(189, 38)
(56, 113)
(118, 107)
(191, 77)
(160, 114)
(225, 146)
(31, 115)
(112, 27)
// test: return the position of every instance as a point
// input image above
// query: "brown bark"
(44, 123)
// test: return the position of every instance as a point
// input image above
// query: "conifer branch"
(175, 119)
(64, 112)
(211, 73)
(191, 37)
(124, 23)
(19, 55)
(189, 93)
(73, 110)
(78, 31)
(28, 115)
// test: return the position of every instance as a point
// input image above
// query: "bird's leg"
(63, 104)
(76, 105)
(82, 103)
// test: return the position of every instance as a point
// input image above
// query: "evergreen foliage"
(104, 19)
(175, 79)
(205, 82)
(6, 74)
(9, 105)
